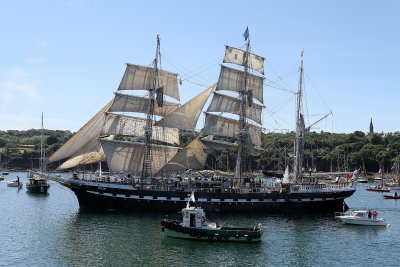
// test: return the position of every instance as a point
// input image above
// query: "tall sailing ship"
(144, 156)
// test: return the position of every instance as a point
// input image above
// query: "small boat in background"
(377, 188)
(394, 196)
(361, 217)
(195, 227)
(362, 180)
(15, 183)
(37, 184)
(5, 173)
(1, 177)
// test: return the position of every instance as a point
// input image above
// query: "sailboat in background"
(145, 158)
(37, 181)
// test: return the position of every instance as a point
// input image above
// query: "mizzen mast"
(300, 127)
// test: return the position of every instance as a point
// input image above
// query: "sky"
(67, 58)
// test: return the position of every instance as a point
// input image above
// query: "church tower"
(371, 127)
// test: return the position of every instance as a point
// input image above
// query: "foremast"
(146, 169)
(242, 117)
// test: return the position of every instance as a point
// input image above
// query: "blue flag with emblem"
(246, 34)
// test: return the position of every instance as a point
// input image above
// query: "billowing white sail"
(123, 156)
(185, 117)
(141, 78)
(232, 80)
(87, 158)
(221, 126)
(117, 124)
(225, 103)
(236, 56)
(193, 156)
(91, 130)
(131, 103)
(218, 145)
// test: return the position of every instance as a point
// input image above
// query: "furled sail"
(123, 156)
(116, 124)
(193, 156)
(185, 117)
(225, 103)
(91, 130)
(236, 56)
(131, 103)
(233, 80)
(141, 78)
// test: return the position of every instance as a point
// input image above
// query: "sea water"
(51, 230)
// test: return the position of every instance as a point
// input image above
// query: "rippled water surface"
(50, 230)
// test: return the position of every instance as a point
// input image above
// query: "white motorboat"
(362, 180)
(15, 183)
(361, 217)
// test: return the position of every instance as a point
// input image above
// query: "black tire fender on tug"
(226, 237)
(249, 238)
(192, 233)
(163, 229)
(210, 237)
(178, 228)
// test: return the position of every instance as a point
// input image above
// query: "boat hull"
(125, 197)
(223, 234)
(391, 197)
(377, 222)
(37, 189)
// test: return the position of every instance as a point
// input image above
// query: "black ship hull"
(105, 196)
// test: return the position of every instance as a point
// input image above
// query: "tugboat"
(194, 226)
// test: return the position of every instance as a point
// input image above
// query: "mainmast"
(146, 172)
(242, 114)
(42, 151)
(299, 141)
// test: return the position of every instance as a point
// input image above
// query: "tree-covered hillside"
(323, 151)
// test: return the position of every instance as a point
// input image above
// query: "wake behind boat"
(194, 226)
(146, 159)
